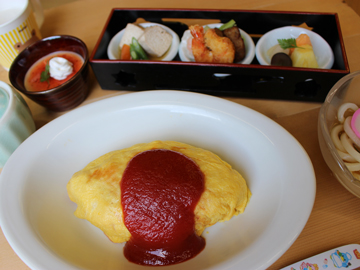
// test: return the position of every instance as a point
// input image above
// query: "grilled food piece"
(233, 33)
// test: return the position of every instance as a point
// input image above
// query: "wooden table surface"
(335, 219)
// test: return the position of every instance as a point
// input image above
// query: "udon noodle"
(347, 143)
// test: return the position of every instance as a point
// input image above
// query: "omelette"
(96, 189)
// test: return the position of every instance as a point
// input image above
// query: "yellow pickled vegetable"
(304, 57)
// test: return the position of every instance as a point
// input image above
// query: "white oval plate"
(186, 56)
(113, 48)
(323, 52)
(36, 214)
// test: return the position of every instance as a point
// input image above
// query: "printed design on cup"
(19, 46)
(341, 259)
(325, 265)
(345, 257)
(13, 42)
(357, 254)
(309, 266)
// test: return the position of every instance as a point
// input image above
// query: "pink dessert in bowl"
(53, 72)
(33, 78)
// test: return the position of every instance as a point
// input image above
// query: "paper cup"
(19, 27)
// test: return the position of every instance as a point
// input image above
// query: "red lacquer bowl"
(65, 96)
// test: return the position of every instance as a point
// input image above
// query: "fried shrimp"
(207, 46)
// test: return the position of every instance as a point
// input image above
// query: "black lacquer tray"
(252, 81)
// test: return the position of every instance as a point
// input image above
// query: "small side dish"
(144, 41)
(295, 47)
(53, 72)
(138, 43)
(293, 52)
(217, 43)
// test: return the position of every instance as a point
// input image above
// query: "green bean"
(133, 53)
(227, 25)
(139, 50)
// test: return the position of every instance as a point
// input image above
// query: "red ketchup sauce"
(159, 192)
(32, 78)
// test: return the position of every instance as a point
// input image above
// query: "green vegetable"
(287, 43)
(133, 53)
(138, 49)
(45, 75)
(227, 25)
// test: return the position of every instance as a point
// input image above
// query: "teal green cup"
(16, 122)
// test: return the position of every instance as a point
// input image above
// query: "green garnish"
(227, 25)
(45, 75)
(287, 43)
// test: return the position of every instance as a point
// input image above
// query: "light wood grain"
(335, 219)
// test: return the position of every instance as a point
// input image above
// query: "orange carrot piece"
(125, 52)
(303, 39)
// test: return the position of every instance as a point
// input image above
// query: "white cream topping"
(60, 68)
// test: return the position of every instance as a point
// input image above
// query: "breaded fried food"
(208, 47)
(96, 189)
